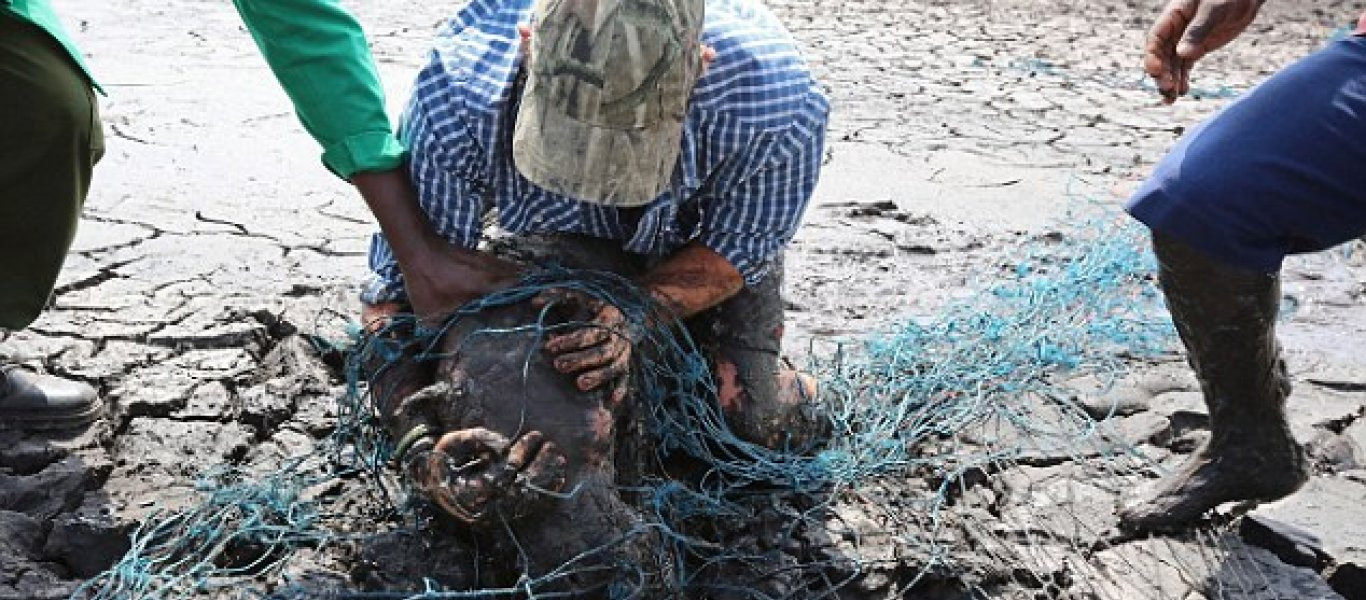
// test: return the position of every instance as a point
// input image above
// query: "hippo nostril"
(460, 389)
(502, 477)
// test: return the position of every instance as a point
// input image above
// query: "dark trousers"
(1281, 170)
(50, 140)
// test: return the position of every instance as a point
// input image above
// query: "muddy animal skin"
(531, 464)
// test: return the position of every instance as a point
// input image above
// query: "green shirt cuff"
(372, 151)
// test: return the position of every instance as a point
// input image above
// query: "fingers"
(618, 392)
(608, 327)
(548, 469)
(471, 469)
(1183, 79)
(597, 365)
(461, 497)
(1193, 44)
(457, 474)
(1160, 60)
(468, 447)
(599, 351)
(596, 378)
(1215, 24)
(593, 358)
(524, 448)
(581, 338)
(467, 501)
(1186, 31)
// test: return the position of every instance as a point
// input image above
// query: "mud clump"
(56, 525)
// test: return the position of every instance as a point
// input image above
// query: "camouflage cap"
(606, 94)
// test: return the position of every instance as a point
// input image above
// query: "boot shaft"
(1226, 317)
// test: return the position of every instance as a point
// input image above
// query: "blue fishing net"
(923, 417)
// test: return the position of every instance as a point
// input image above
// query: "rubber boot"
(1226, 317)
(776, 410)
(41, 402)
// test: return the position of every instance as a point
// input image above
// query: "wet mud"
(214, 251)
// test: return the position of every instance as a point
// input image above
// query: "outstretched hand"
(597, 352)
(1186, 31)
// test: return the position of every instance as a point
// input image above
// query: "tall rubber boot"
(1226, 317)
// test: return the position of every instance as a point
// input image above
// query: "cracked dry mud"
(213, 238)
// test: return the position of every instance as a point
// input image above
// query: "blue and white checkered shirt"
(752, 146)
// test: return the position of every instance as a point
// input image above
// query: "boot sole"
(49, 421)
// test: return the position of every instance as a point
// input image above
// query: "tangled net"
(960, 461)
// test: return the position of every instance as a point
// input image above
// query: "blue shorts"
(1281, 170)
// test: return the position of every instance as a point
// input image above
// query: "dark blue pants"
(1281, 170)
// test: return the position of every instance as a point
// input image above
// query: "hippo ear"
(438, 406)
(564, 306)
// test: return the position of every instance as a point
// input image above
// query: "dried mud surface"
(213, 238)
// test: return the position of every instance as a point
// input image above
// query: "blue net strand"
(919, 418)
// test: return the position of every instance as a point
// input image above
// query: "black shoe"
(39, 402)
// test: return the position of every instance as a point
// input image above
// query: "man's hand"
(1186, 32)
(438, 275)
(597, 352)
(444, 277)
(694, 279)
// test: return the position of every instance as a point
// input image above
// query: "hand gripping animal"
(505, 443)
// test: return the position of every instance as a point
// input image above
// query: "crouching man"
(677, 140)
(1276, 172)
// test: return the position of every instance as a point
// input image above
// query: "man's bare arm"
(438, 276)
(694, 279)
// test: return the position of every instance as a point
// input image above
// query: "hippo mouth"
(512, 434)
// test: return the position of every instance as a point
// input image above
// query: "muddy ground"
(213, 237)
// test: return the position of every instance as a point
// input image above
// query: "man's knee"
(752, 320)
(744, 377)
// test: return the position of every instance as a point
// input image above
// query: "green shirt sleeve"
(40, 13)
(319, 53)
